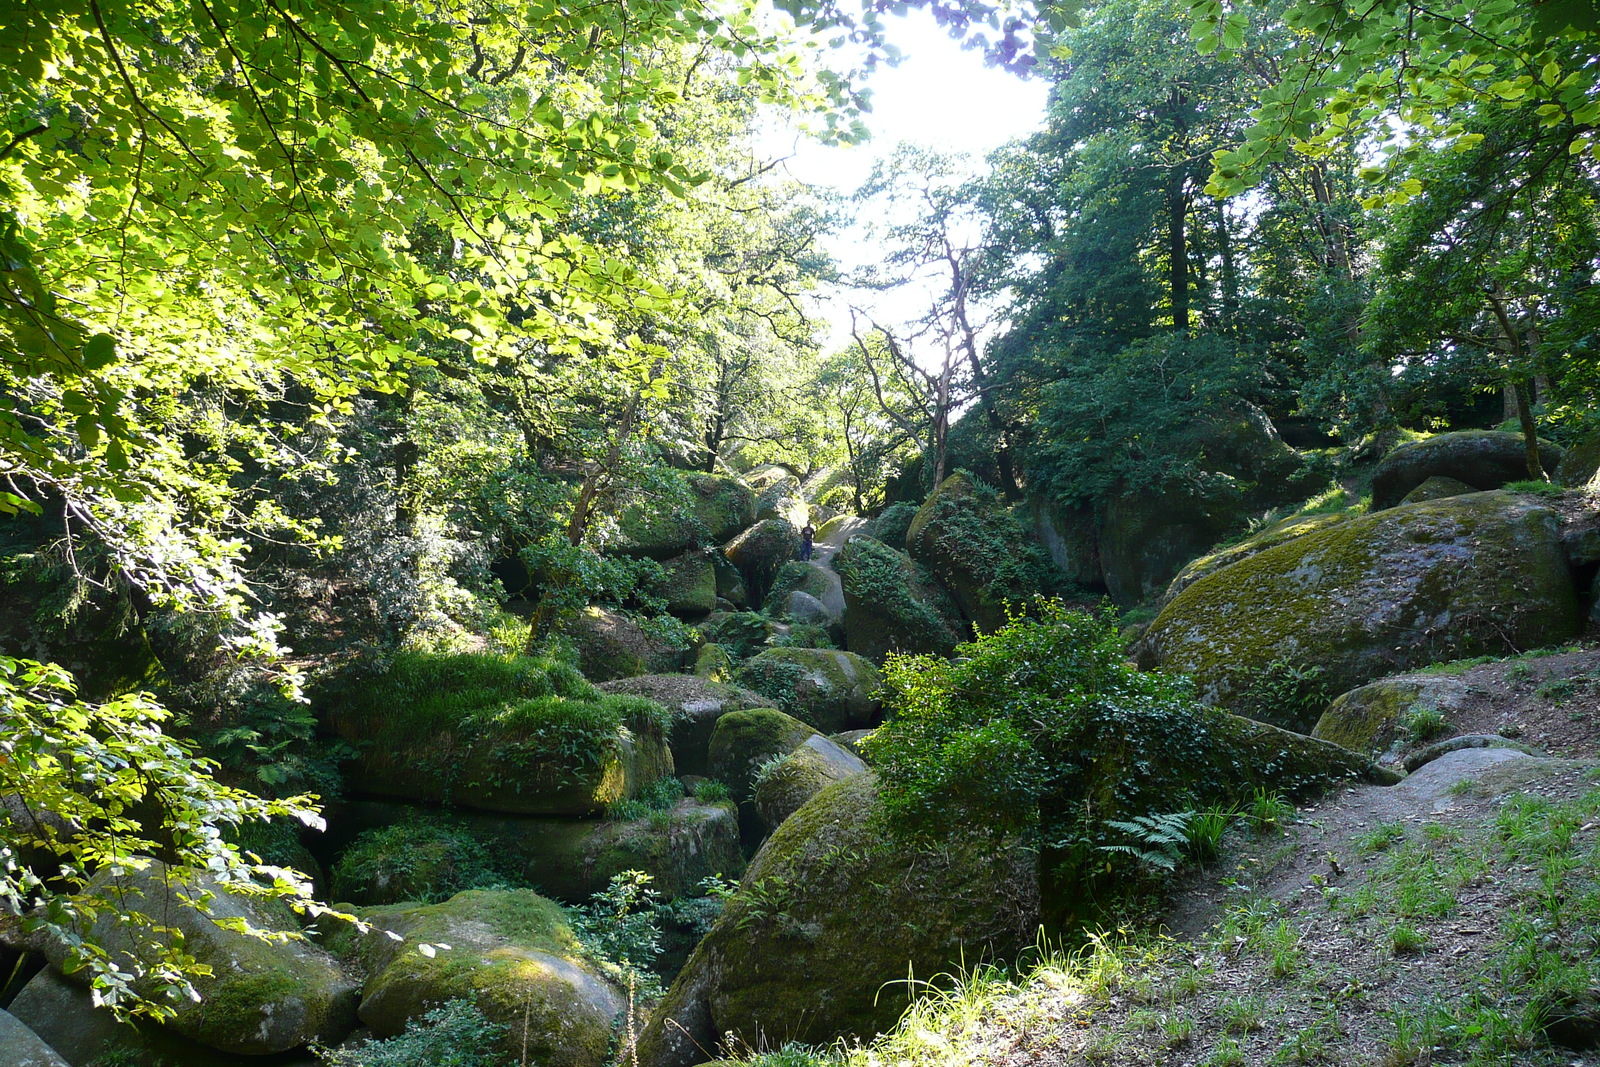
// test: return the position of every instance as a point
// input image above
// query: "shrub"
(455, 1034)
(890, 527)
(429, 860)
(1284, 694)
(1424, 724)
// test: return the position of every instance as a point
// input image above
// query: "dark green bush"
(455, 1034)
(890, 527)
(429, 860)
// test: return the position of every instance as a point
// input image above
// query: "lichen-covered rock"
(705, 509)
(688, 584)
(760, 552)
(1371, 719)
(1437, 487)
(512, 952)
(890, 605)
(802, 774)
(742, 633)
(832, 915)
(696, 704)
(1276, 534)
(262, 997)
(784, 500)
(611, 645)
(1485, 459)
(829, 690)
(744, 740)
(1377, 594)
(965, 536)
(1580, 466)
(21, 1047)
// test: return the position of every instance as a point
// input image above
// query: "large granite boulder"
(698, 509)
(784, 787)
(828, 690)
(688, 584)
(891, 604)
(760, 552)
(21, 1047)
(511, 951)
(1071, 537)
(783, 499)
(1483, 459)
(696, 704)
(819, 585)
(1580, 465)
(1276, 534)
(967, 538)
(510, 734)
(262, 997)
(1436, 488)
(1381, 593)
(610, 644)
(744, 740)
(831, 917)
(1372, 718)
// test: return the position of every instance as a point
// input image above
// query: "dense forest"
(465, 604)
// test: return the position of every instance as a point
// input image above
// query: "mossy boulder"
(783, 500)
(263, 997)
(693, 510)
(832, 915)
(1371, 719)
(512, 952)
(1483, 459)
(785, 786)
(1580, 465)
(512, 734)
(610, 644)
(828, 690)
(696, 704)
(1071, 537)
(742, 633)
(821, 584)
(418, 859)
(1276, 534)
(892, 524)
(891, 604)
(730, 583)
(688, 583)
(1380, 593)
(744, 740)
(760, 552)
(713, 664)
(1436, 488)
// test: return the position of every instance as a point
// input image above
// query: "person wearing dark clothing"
(806, 534)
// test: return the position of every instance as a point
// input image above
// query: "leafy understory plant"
(1158, 841)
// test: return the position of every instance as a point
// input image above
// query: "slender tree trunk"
(1178, 250)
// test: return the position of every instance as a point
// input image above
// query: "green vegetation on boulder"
(688, 584)
(1276, 534)
(742, 633)
(890, 605)
(262, 996)
(831, 917)
(744, 740)
(696, 704)
(426, 859)
(786, 785)
(1071, 537)
(891, 525)
(783, 500)
(713, 664)
(1483, 459)
(798, 577)
(730, 583)
(1373, 718)
(610, 644)
(760, 552)
(1437, 487)
(511, 952)
(701, 509)
(1580, 466)
(975, 548)
(513, 734)
(829, 690)
(1389, 591)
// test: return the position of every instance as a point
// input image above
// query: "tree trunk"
(1178, 250)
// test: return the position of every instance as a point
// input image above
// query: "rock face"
(1580, 466)
(611, 645)
(828, 690)
(784, 500)
(21, 1047)
(889, 605)
(967, 538)
(1277, 534)
(1378, 594)
(510, 950)
(696, 705)
(760, 552)
(831, 914)
(818, 583)
(263, 997)
(1071, 537)
(744, 740)
(709, 510)
(1483, 459)
(801, 775)
(1371, 719)
(689, 585)
(1436, 488)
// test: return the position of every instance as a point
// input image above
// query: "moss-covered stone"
(1276, 534)
(1371, 718)
(890, 604)
(1580, 466)
(830, 919)
(418, 859)
(700, 509)
(783, 500)
(798, 577)
(828, 690)
(1381, 593)
(262, 997)
(742, 633)
(760, 552)
(1484, 459)
(1071, 537)
(785, 786)
(730, 583)
(512, 952)
(688, 583)
(696, 704)
(610, 644)
(713, 664)
(891, 525)
(1436, 488)
(744, 740)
